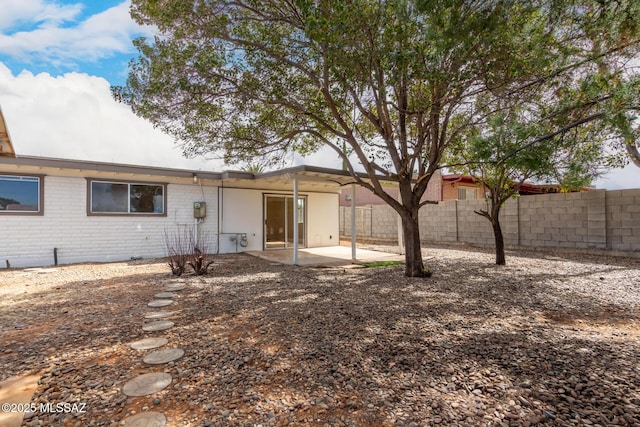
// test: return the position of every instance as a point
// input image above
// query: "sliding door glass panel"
(301, 219)
(279, 225)
(275, 222)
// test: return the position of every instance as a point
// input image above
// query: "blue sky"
(58, 59)
(58, 37)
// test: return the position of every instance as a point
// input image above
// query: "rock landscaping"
(551, 339)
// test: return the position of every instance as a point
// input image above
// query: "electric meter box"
(199, 209)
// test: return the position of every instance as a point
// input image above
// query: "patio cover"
(295, 175)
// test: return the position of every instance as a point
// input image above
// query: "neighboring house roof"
(456, 177)
(526, 188)
(6, 148)
(365, 197)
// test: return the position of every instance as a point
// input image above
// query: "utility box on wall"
(199, 209)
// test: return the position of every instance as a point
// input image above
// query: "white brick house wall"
(29, 240)
(67, 229)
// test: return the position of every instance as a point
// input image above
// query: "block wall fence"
(597, 219)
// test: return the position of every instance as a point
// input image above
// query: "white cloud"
(99, 36)
(18, 12)
(74, 116)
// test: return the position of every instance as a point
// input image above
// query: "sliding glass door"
(279, 221)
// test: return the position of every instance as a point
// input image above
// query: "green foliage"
(376, 264)
(254, 167)
(258, 78)
(390, 85)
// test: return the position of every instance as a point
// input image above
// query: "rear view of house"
(66, 211)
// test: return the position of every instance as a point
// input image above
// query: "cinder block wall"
(598, 219)
(439, 222)
(622, 216)
(373, 221)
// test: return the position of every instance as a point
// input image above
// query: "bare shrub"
(184, 249)
(178, 244)
(201, 259)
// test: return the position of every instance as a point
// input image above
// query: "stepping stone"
(158, 314)
(158, 325)
(163, 356)
(146, 419)
(146, 384)
(148, 343)
(175, 288)
(164, 295)
(160, 303)
(177, 281)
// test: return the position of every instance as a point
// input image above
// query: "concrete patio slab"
(330, 256)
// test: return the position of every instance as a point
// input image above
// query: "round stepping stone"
(158, 314)
(175, 288)
(146, 384)
(160, 303)
(167, 355)
(158, 325)
(148, 343)
(164, 295)
(146, 419)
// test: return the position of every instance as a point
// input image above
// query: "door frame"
(285, 196)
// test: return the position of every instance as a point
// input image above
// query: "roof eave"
(6, 147)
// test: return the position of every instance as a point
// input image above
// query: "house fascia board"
(312, 178)
(84, 165)
(317, 173)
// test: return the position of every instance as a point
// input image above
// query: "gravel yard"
(550, 339)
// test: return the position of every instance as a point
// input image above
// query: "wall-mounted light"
(195, 178)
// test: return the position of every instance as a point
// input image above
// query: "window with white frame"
(20, 194)
(108, 197)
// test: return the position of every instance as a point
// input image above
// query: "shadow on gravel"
(281, 345)
(370, 347)
(76, 333)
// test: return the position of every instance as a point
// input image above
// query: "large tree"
(393, 81)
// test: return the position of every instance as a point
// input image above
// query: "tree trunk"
(493, 216)
(414, 267)
(499, 239)
(634, 153)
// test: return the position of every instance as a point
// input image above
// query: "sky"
(58, 59)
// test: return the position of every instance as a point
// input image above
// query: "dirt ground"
(550, 339)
